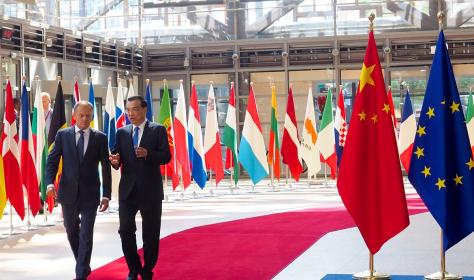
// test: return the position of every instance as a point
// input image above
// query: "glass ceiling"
(176, 21)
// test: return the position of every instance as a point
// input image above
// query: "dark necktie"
(80, 146)
(135, 137)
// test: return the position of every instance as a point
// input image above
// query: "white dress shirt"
(87, 133)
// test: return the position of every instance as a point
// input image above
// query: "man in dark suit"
(141, 148)
(82, 149)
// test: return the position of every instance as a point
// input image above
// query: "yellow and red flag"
(370, 178)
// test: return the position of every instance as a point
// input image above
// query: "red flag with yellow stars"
(370, 178)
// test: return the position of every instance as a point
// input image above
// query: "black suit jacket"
(142, 173)
(80, 181)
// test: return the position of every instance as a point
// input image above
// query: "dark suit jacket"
(144, 173)
(80, 181)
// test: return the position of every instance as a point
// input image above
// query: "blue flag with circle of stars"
(442, 168)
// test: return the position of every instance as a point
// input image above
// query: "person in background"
(48, 111)
(141, 147)
(81, 149)
(17, 107)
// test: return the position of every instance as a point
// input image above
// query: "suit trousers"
(151, 224)
(79, 223)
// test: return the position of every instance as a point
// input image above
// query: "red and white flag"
(11, 156)
(77, 98)
(180, 139)
(291, 142)
(212, 141)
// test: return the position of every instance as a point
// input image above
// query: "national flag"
(407, 133)
(308, 149)
(290, 143)
(149, 101)
(38, 128)
(370, 180)
(11, 156)
(229, 138)
(109, 116)
(195, 148)
(340, 126)
(58, 121)
(92, 101)
(120, 107)
(470, 121)
(274, 142)
(442, 165)
(131, 90)
(3, 194)
(180, 139)
(252, 147)
(212, 141)
(392, 108)
(131, 93)
(27, 155)
(165, 119)
(326, 139)
(76, 98)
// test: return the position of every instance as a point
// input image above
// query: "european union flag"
(442, 168)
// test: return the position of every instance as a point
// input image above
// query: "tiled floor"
(44, 253)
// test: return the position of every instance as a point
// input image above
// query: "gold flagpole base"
(366, 275)
(438, 275)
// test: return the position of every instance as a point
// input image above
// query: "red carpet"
(253, 248)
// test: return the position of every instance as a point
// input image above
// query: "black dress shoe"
(132, 277)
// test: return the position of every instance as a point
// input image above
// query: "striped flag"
(252, 146)
(274, 143)
(308, 149)
(196, 153)
(340, 126)
(470, 121)
(229, 138)
(76, 98)
(11, 155)
(290, 143)
(149, 101)
(326, 140)
(180, 140)
(27, 155)
(212, 141)
(38, 128)
(94, 124)
(119, 107)
(407, 133)
(392, 108)
(109, 116)
(165, 119)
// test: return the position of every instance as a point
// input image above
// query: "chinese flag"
(370, 178)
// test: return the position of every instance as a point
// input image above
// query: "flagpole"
(231, 186)
(443, 274)
(12, 232)
(166, 183)
(210, 182)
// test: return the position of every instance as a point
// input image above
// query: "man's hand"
(114, 159)
(104, 204)
(51, 191)
(141, 152)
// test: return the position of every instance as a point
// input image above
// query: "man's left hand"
(104, 204)
(141, 152)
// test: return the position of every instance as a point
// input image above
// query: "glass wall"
(412, 79)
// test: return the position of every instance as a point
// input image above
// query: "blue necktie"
(80, 146)
(135, 137)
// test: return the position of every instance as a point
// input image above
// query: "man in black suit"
(82, 149)
(141, 148)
